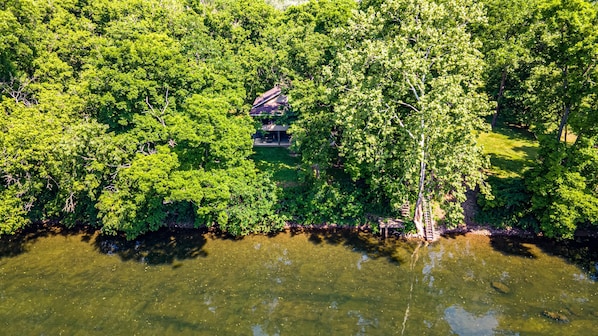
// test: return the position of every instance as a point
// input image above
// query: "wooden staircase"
(406, 210)
(429, 231)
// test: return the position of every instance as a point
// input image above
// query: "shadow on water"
(359, 242)
(581, 251)
(177, 324)
(164, 246)
(512, 246)
(507, 245)
(453, 234)
(14, 245)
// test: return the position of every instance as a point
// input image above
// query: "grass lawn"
(512, 150)
(279, 162)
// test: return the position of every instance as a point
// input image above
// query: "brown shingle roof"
(272, 102)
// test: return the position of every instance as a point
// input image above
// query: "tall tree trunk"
(501, 89)
(564, 121)
(418, 216)
(567, 104)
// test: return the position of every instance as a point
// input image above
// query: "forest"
(132, 115)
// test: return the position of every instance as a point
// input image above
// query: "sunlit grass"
(569, 137)
(279, 162)
(512, 150)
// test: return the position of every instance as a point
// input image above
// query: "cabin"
(271, 110)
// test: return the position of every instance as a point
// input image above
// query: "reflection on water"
(364, 258)
(362, 322)
(189, 283)
(259, 331)
(464, 323)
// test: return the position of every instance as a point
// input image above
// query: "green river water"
(189, 283)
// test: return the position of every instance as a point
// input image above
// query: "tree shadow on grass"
(515, 131)
(279, 162)
(530, 153)
(515, 165)
(515, 152)
(508, 164)
(164, 246)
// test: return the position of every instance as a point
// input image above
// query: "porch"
(272, 136)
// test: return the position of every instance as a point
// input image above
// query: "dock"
(395, 224)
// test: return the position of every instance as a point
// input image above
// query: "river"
(189, 283)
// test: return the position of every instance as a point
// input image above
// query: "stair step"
(428, 223)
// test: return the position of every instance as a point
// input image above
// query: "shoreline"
(464, 229)
(487, 230)
(478, 230)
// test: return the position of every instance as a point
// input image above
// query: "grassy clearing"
(279, 162)
(512, 150)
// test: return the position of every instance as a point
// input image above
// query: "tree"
(134, 203)
(18, 37)
(53, 165)
(191, 166)
(565, 74)
(129, 115)
(505, 40)
(565, 186)
(406, 103)
(562, 91)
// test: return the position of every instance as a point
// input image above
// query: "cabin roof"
(272, 102)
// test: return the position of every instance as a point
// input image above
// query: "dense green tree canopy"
(565, 186)
(549, 85)
(129, 114)
(132, 115)
(406, 103)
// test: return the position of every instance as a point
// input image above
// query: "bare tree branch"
(158, 115)
(409, 106)
(401, 122)
(17, 90)
(69, 205)
(413, 89)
